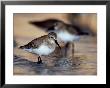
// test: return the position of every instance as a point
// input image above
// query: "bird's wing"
(34, 43)
(38, 41)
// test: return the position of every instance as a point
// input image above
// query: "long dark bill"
(57, 44)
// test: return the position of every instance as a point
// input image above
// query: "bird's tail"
(22, 47)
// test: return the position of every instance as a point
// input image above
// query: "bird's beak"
(57, 44)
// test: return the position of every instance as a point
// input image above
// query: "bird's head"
(53, 36)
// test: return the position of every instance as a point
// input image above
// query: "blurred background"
(85, 49)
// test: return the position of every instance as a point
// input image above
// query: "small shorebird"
(67, 34)
(43, 45)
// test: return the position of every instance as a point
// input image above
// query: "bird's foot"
(39, 62)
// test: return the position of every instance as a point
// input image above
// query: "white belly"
(66, 37)
(42, 50)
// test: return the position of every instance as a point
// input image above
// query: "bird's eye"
(51, 37)
(55, 24)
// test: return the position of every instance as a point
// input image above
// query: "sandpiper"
(67, 34)
(43, 45)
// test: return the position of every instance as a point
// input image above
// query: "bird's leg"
(69, 50)
(39, 60)
(66, 49)
(73, 50)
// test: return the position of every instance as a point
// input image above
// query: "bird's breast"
(43, 50)
(67, 37)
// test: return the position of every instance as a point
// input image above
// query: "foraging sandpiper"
(43, 45)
